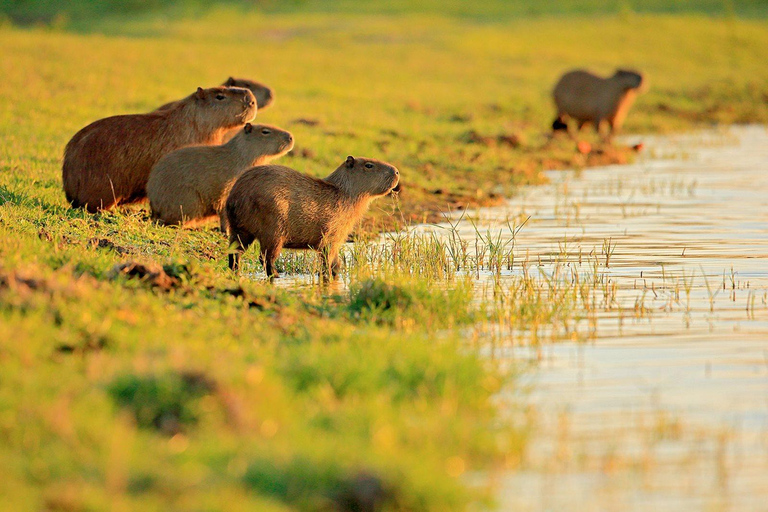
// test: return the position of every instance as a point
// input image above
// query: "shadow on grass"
(8, 196)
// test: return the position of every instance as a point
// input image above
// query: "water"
(665, 408)
(657, 398)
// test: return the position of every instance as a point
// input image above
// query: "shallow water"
(665, 409)
(657, 399)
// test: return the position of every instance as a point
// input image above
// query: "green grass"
(191, 390)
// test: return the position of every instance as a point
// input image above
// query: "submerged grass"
(137, 373)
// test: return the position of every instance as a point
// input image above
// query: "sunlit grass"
(208, 391)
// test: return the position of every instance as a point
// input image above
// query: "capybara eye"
(220, 97)
(369, 165)
(266, 132)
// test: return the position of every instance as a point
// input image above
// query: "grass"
(171, 385)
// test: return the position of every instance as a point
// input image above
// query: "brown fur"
(588, 98)
(263, 94)
(107, 163)
(191, 184)
(282, 208)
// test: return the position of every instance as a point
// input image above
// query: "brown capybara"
(263, 94)
(107, 163)
(191, 184)
(588, 98)
(282, 208)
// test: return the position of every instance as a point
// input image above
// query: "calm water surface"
(666, 409)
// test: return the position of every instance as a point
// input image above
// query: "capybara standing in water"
(191, 184)
(107, 163)
(263, 94)
(282, 208)
(587, 98)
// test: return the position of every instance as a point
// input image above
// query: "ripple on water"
(668, 412)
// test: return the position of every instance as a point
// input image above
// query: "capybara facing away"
(191, 184)
(588, 98)
(282, 208)
(107, 163)
(263, 94)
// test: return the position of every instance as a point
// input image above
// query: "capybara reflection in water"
(282, 208)
(108, 162)
(263, 94)
(191, 184)
(588, 98)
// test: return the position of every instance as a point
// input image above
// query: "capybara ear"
(248, 128)
(350, 161)
(200, 93)
(230, 82)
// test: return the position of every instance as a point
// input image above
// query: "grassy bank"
(183, 388)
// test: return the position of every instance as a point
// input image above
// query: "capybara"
(107, 163)
(588, 98)
(263, 94)
(191, 184)
(282, 208)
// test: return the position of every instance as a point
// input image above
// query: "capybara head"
(264, 95)
(225, 106)
(366, 177)
(269, 140)
(630, 79)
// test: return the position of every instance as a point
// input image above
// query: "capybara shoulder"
(190, 184)
(108, 162)
(282, 208)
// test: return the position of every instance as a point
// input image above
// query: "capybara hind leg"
(238, 244)
(269, 254)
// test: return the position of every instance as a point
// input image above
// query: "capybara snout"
(263, 94)
(632, 79)
(377, 177)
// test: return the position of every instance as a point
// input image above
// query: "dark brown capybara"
(283, 208)
(588, 98)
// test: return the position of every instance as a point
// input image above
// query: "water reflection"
(669, 410)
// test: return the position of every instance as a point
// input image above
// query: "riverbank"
(174, 384)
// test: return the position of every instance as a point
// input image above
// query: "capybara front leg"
(223, 222)
(329, 260)
(605, 130)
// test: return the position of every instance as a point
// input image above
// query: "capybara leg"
(604, 129)
(329, 259)
(559, 124)
(238, 244)
(335, 266)
(223, 222)
(269, 254)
